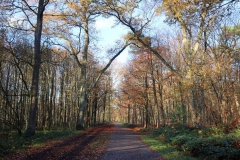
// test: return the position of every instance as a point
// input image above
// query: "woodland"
(187, 74)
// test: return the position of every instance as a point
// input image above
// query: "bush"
(235, 133)
(209, 143)
(157, 132)
(180, 140)
(5, 148)
(213, 131)
(213, 148)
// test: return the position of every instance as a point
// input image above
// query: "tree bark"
(184, 110)
(104, 104)
(95, 108)
(36, 68)
(129, 110)
(83, 96)
(146, 104)
(154, 90)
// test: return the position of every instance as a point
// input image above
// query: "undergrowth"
(167, 151)
(208, 143)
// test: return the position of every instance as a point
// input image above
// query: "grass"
(14, 142)
(42, 136)
(165, 150)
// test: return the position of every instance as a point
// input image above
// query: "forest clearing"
(61, 79)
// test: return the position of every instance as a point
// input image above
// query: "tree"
(36, 66)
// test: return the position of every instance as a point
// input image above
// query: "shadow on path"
(125, 145)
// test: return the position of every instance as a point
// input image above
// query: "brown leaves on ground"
(84, 146)
(140, 130)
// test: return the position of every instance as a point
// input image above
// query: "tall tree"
(36, 66)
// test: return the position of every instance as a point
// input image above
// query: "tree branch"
(106, 67)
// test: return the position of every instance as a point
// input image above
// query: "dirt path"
(126, 145)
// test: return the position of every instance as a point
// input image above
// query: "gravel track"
(124, 144)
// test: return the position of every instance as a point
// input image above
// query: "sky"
(109, 34)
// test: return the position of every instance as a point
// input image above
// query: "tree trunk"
(184, 110)
(129, 113)
(109, 106)
(51, 102)
(62, 102)
(160, 91)
(36, 68)
(146, 104)
(154, 91)
(95, 109)
(104, 104)
(83, 95)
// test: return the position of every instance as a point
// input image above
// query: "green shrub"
(208, 143)
(235, 133)
(180, 140)
(5, 147)
(213, 148)
(157, 132)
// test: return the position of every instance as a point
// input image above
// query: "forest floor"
(125, 142)
(106, 142)
(88, 145)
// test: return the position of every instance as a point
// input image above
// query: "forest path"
(124, 144)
